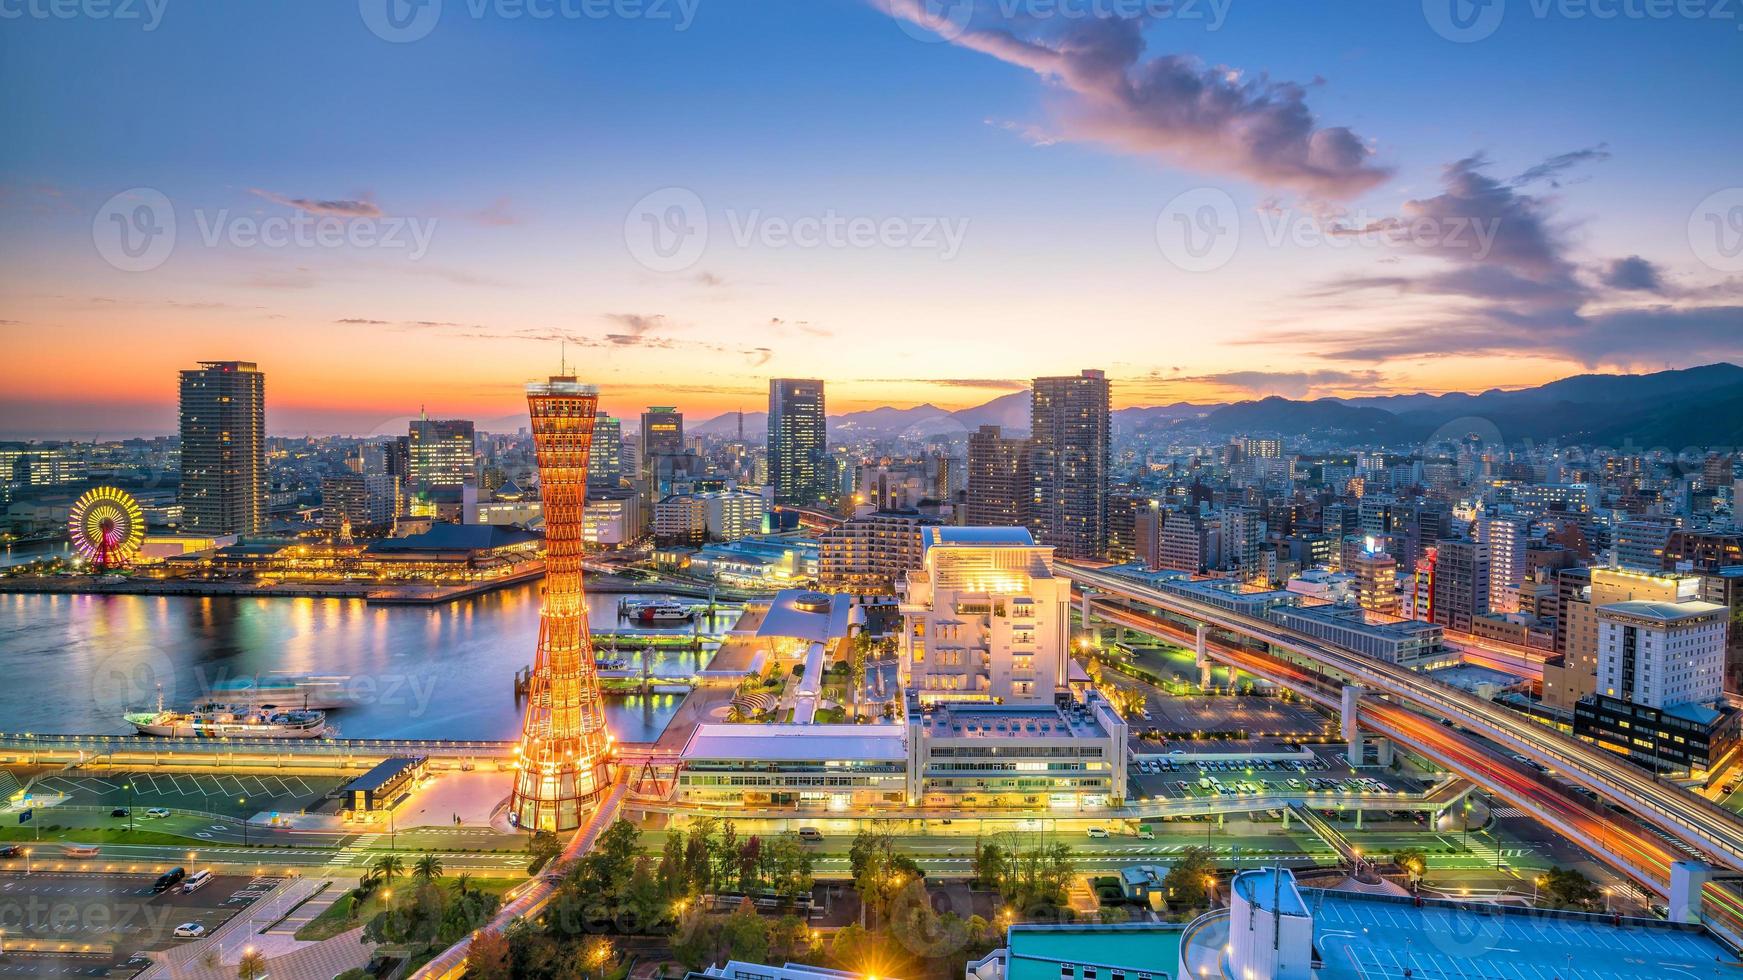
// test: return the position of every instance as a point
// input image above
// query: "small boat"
(228, 721)
(615, 663)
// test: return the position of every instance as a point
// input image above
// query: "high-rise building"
(1070, 426)
(1640, 544)
(662, 435)
(1001, 490)
(1376, 581)
(1460, 584)
(605, 460)
(1580, 593)
(871, 553)
(987, 620)
(800, 470)
(562, 764)
(223, 423)
(1505, 536)
(443, 454)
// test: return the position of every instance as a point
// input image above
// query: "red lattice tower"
(563, 760)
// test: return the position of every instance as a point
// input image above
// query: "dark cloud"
(1289, 384)
(638, 324)
(1517, 291)
(1552, 168)
(337, 208)
(1206, 117)
(1633, 273)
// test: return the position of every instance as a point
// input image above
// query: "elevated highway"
(1670, 808)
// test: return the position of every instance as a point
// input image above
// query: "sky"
(395, 205)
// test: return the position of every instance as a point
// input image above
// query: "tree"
(1187, 880)
(790, 938)
(544, 847)
(750, 864)
(990, 864)
(879, 871)
(598, 958)
(788, 865)
(745, 934)
(1568, 888)
(387, 866)
(693, 939)
(1413, 860)
(252, 966)
(462, 884)
(673, 876)
(427, 869)
(488, 957)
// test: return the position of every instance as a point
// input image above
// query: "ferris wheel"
(106, 526)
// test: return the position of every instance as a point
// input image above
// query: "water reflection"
(74, 663)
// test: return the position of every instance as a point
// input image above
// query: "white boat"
(229, 721)
(661, 611)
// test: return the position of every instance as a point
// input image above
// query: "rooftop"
(1367, 938)
(806, 615)
(1004, 537)
(981, 720)
(1666, 612)
(1036, 951)
(456, 537)
(798, 743)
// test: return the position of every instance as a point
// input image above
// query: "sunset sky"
(1556, 177)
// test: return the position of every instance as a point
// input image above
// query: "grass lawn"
(98, 835)
(347, 913)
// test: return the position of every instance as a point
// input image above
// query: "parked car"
(196, 881)
(810, 835)
(168, 879)
(119, 811)
(190, 930)
(1100, 832)
(157, 811)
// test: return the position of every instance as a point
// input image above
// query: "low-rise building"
(1063, 755)
(1408, 643)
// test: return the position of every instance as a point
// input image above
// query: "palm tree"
(428, 868)
(462, 884)
(388, 865)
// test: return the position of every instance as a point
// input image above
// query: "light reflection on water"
(71, 663)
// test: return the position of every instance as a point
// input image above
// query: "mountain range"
(1693, 406)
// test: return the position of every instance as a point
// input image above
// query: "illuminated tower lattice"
(564, 754)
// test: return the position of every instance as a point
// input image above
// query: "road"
(1712, 828)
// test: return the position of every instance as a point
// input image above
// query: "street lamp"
(130, 805)
(242, 801)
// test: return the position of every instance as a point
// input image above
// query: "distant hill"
(1694, 406)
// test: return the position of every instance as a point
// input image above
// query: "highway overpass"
(1322, 671)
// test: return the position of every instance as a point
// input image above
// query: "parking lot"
(217, 793)
(1322, 775)
(118, 911)
(1258, 717)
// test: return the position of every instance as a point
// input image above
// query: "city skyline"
(1033, 191)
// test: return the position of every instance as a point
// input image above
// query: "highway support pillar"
(1347, 717)
(1686, 879)
(1201, 648)
(1358, 818)
(1383, 752)
(1286, 818)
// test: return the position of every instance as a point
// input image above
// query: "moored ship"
(311, 692)
(229, 721)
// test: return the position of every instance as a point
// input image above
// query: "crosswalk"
(355, 853)
(1509, 813)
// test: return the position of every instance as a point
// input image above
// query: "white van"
(196, 881)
